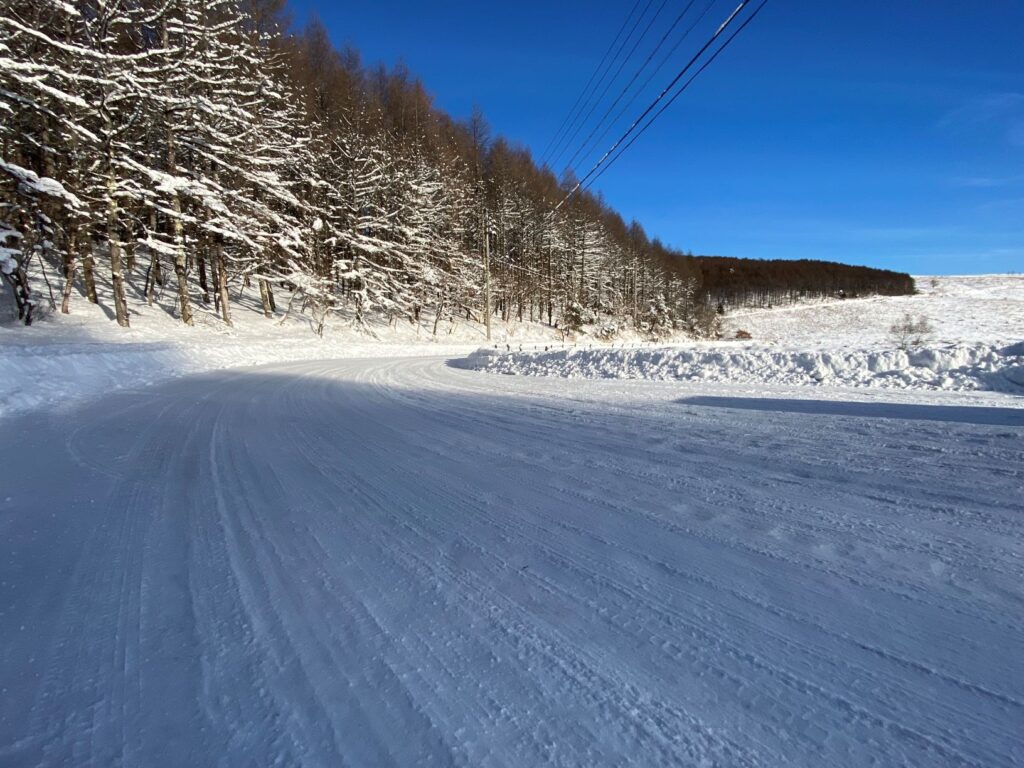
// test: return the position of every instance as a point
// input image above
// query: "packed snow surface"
(398, 562)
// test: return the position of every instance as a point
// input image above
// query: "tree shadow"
(962, 414)
(108, 311)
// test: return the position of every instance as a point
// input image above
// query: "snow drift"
(954, 367)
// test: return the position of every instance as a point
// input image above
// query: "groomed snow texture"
(404, 563)
(393, 560)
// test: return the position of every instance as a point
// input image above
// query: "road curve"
(396, 562)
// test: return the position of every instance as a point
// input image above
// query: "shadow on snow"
(961, 414)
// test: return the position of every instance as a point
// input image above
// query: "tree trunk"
(154, 266)
(154, 276)
(88, 275)
(70, 267)
(487, 279)
(437, 315)
(551, 289)
(180, 272)
(203, 285)
(222, 287)
(181, 264)
(129, 253)
(266, 297)
(18, 281)
(117, 278)
(583, 268)
(180, 257)
(116, 266)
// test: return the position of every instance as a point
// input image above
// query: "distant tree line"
(754, 282)
(189, 148)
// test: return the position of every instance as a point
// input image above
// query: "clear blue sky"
(880, 132)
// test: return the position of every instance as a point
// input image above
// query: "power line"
(665, 91)
(611, 82)
(722, 27)
(679, 93)
(651, 76)
(593, 74)
(559, 148)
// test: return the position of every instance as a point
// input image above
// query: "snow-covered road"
(400, 562)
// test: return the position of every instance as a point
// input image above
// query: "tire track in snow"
(395, 562)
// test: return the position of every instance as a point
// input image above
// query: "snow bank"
(66, 358)
(55, 374)
(977, 320)
(63, 359)
(955, 367)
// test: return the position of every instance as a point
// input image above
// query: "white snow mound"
(953, 367)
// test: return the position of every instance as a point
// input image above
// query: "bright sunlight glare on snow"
(349, 418)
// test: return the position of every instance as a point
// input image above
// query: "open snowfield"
(397, 561)
(974, 309)
(977, 344)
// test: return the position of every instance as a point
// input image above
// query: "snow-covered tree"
(142, 140)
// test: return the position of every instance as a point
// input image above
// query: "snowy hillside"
(986, 309)
(975, 344)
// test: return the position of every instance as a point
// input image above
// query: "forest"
(202, 148)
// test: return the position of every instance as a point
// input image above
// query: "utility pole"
(487, 277)
(583, 266)
(551, 291)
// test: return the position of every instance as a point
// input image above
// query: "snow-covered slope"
(976, 344)
(986, 309)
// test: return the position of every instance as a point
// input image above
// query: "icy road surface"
(369, 563)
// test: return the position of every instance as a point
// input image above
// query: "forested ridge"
(191, 146)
